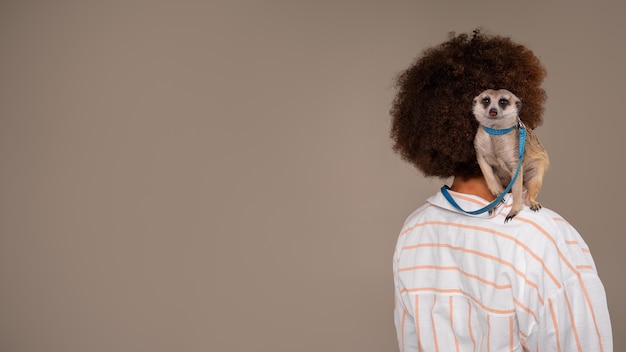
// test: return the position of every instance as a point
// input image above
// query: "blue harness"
(494, 132)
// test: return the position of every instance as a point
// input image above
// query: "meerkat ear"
(518, 105)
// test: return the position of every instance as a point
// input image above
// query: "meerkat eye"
(486, 100)
(503, 102)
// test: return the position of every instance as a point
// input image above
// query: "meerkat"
(498, 154)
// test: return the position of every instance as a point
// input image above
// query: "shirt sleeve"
(574, 318)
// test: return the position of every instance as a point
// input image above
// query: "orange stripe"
(561, 219)
(575, 243)
(524, 344)
(432, 321)
(524, 308)
(556, 325)
(488, 333)
(571, 317)
(584, 267)
(524, 336)
(456, 341)
(434, 289)
(511, 333)
(499, 234)
(469, 199)
(522, 341)
(417, 324)
(469, 323)
(484, 255)
(445, 268)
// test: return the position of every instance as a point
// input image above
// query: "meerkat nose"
(493, 112)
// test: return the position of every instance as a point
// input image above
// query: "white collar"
(468, 202)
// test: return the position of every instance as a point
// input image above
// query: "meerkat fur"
(498, 155)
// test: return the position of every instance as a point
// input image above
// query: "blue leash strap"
(488, 207)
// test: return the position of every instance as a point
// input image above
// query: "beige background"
(218, 176)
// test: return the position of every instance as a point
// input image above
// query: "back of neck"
(475, 186)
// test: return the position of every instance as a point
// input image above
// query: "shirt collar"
(468, 202)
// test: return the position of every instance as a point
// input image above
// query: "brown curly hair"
(432, 123)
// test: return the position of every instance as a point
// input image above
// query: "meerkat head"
(496, 108)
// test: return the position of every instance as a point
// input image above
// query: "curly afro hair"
(432, 126)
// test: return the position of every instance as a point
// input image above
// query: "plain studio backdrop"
(218, 176)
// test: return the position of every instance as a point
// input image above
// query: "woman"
(472, 282)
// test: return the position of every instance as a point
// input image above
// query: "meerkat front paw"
(535, 206)
(510, 216)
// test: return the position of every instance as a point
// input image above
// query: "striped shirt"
(474, 283)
